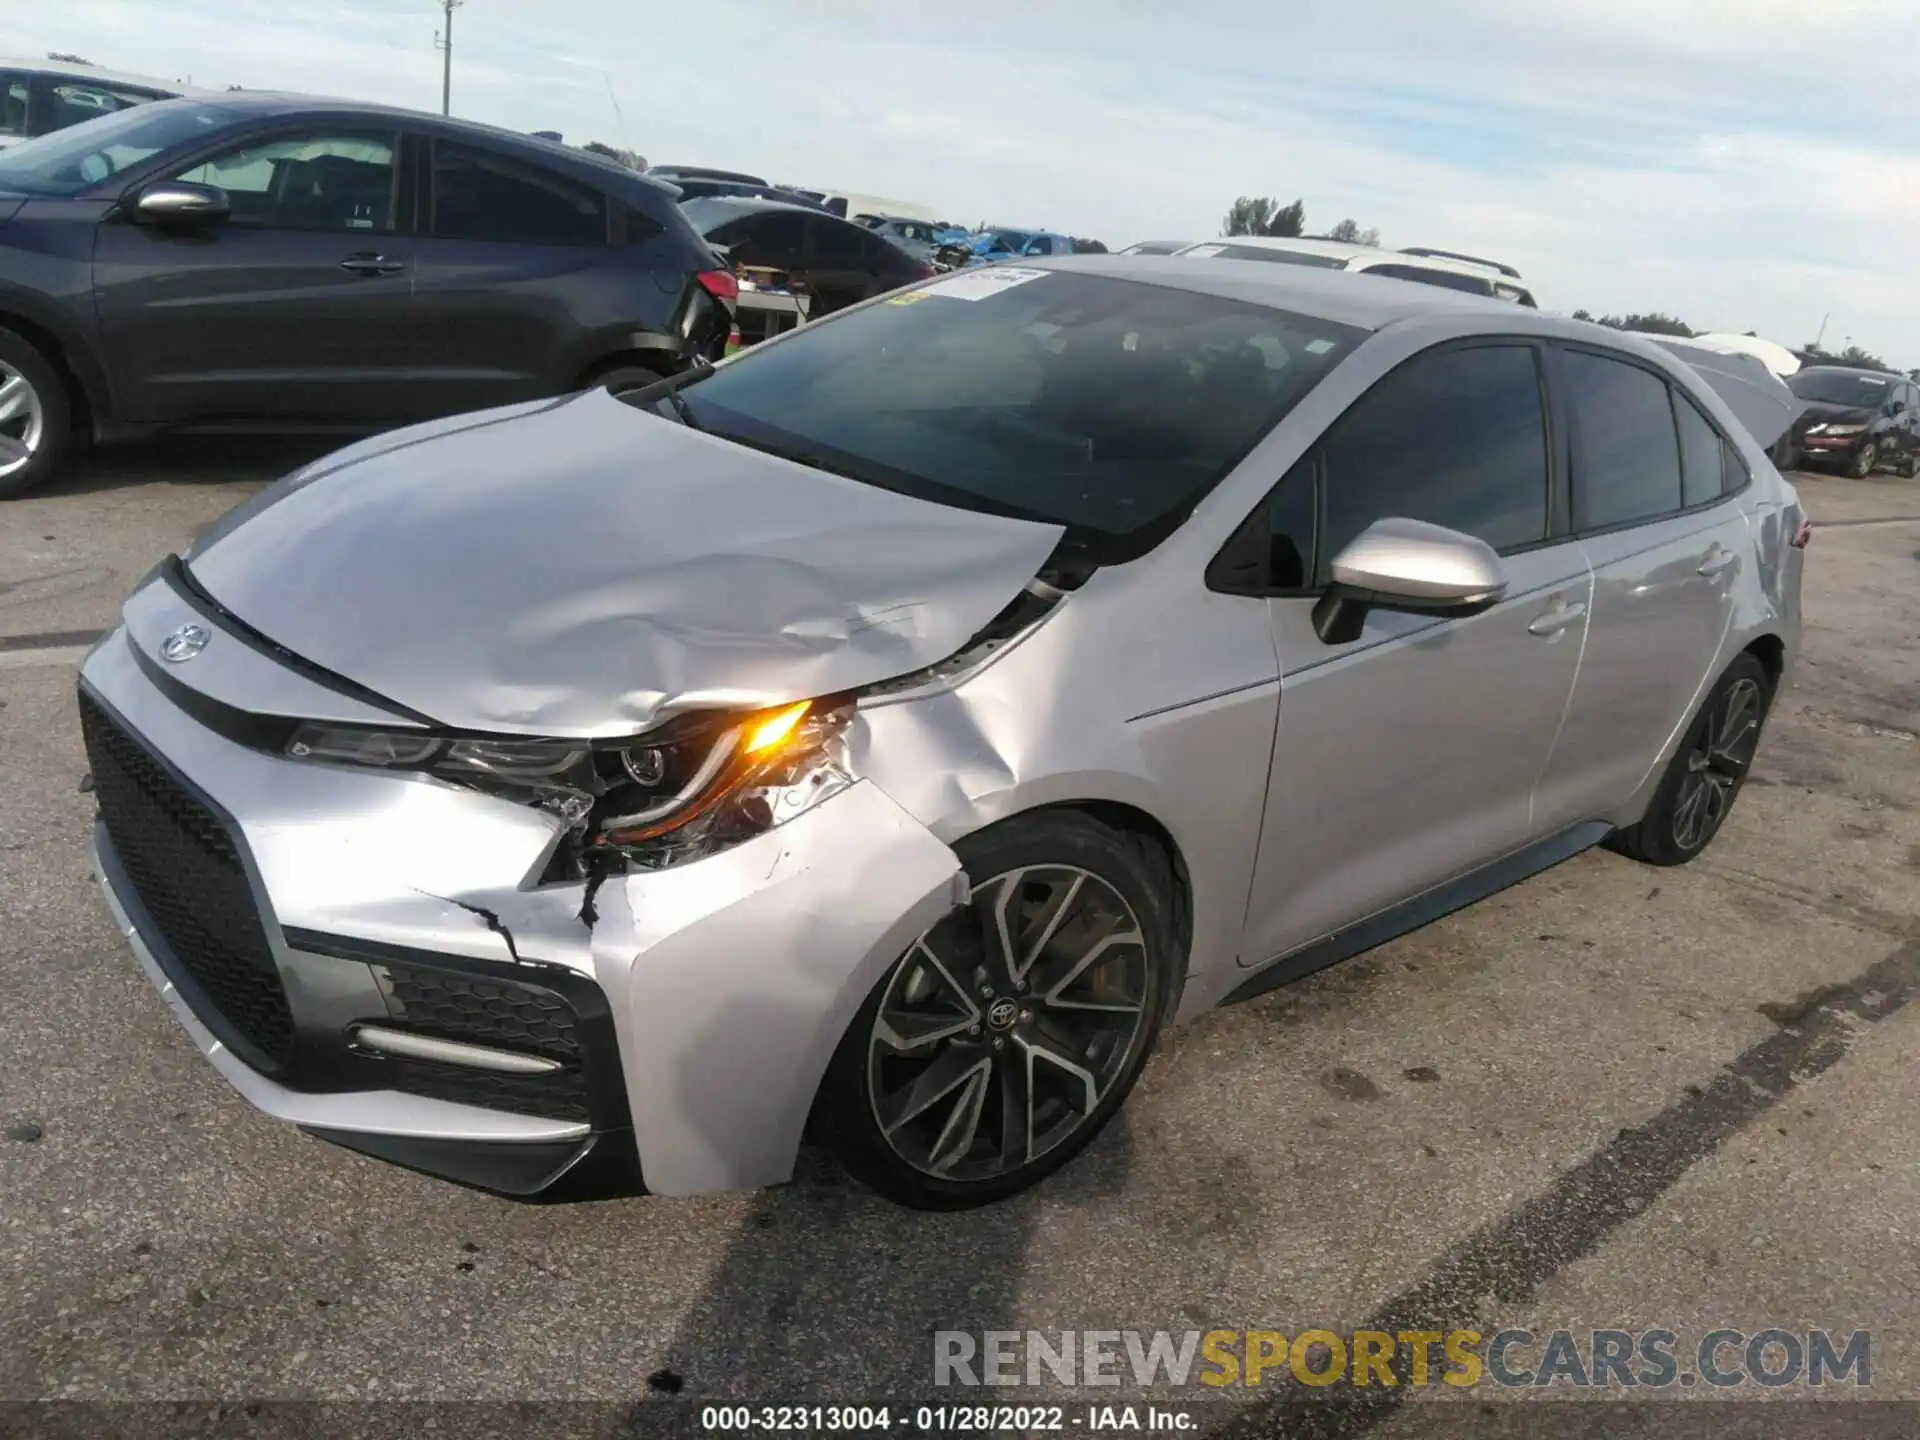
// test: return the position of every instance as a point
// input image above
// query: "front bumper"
(698, 1006)
(1834, 449)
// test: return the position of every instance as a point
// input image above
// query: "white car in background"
(1475, 277)
(41, 96)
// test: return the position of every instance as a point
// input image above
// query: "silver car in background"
(886, 734)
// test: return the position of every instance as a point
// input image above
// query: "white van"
(1474, 277)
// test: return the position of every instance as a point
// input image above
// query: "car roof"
(1343, 296)
(266, 104)
(71, 70)
(1845, 370)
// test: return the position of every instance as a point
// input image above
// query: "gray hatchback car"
(888, 733)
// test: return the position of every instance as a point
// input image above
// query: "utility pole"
(443, 41)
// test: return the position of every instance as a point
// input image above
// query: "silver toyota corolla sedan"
(887, 734)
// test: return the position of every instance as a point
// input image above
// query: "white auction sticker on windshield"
(979, 284)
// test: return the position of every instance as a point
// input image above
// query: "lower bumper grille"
(186, 870)
(500, 1014)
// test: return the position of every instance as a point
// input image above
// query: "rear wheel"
(1864, 462)
(1706, 772)
(35, 418)
(1010, 1032)
(626, 374)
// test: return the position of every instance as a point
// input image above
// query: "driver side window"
(306, 182)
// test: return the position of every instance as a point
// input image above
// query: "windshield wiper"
(682, 409)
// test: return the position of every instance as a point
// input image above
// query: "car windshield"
(1009, 240)
(1837, 387)
(81, 156)
(1104, 405)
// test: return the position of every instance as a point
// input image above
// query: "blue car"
(1004, 244)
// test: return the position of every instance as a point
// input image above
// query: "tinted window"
(306, 182)
(1700, 459)
(1446, 279)
(1290, 530)
(13, 104)
(70, 102)
(836, 244)
(478, 195)
(1841, 387)
(1107, 406)
(1455, 438)
(76, 159)
(1629, 458)
(764, 241)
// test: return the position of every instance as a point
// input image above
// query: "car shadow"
(192, 460)
(829, 1294)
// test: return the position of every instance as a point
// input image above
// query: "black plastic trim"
(595, 1167)
(600, 1044)
(1422, 909)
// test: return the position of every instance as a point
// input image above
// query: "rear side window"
(835, 243)
(69, 102)
(1453, 437)
(480, 195)
(1446, 279)
(1701, 464)
(1629, 456)
(13, 104)
(1734, 475)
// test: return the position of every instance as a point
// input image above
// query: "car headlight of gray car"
(695, 786)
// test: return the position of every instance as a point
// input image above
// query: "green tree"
(1249, 216)
(1084, 246)
(1350, 231)
(1653, 323)
(1861, 359)
(1288, 220)
(1583, 315)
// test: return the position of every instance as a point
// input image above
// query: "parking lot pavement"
(1612, 1097)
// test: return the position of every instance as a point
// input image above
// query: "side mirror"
(1400, 564)
(175, 202)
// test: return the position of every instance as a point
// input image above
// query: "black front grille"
(188, 876)
(501, 1014)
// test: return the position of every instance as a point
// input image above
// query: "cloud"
(1626, 154)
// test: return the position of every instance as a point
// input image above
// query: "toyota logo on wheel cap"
(185, 643)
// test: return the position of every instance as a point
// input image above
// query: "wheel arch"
(86, 387)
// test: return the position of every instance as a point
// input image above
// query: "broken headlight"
(694, 786)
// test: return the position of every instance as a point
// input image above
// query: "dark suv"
(1855, 420)
(289, 263)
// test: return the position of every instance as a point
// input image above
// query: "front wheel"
(35, 423)
(1864, 462)
(1010, 1032)
(1706, 772)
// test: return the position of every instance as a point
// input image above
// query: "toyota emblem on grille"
(185, 643)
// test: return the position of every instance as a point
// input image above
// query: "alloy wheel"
(1721, 751)
(1005, 1026)
(1863, 464)
(22, 421)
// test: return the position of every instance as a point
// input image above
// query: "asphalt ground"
(1612, 1098)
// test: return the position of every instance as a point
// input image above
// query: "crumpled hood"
(584, 568)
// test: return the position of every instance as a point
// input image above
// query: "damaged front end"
(699, 783)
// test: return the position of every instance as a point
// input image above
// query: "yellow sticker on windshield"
(911, 297)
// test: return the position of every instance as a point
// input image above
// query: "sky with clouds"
(1744, 164)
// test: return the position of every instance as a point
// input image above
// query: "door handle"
(1554, 621)
(365, 262)
(1716, 561)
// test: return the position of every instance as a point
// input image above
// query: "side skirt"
(1423, 909)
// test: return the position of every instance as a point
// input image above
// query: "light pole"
(443, 40)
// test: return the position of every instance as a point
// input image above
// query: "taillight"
(1802, 534)
(720, 284)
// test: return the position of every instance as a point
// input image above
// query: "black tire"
(627, 375)
(53, 430)
(1864, 461)
(1015, 1034)
(1710, 756)
(1910, 467)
